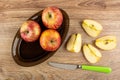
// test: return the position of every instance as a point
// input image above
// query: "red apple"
(50, 40)
(30, 31)
(52, 17)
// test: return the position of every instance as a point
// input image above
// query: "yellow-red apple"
(52, 17)
(30, 31)
(50, 40)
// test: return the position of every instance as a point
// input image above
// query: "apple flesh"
(30, 31)
(50, 40)
(92, 27)
(106, 42)
(91, 53)
(74, 43)
(52, 17)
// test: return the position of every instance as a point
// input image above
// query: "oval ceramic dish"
(31, 53)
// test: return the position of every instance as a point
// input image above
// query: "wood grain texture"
(14, 12)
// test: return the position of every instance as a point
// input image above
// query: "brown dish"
(31, 53)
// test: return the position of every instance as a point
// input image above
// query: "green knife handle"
(97, 68)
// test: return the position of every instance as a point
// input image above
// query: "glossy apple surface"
(30, 31)
(52, 17)
(50, 40)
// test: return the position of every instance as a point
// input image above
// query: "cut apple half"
(106, 42)
(74, 43)
(92, 54)
(92, 27)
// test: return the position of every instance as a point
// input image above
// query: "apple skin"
(30, 31)
(52, 17)
(50, 40)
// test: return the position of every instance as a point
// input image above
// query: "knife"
(83, 67)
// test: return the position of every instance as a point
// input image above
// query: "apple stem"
(26, 32)
(49, 14)
(51, 41)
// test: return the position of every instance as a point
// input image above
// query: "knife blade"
(83, 67)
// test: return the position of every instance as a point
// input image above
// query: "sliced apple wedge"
(74, 43)
(92, 54)
(70, 43)
(92, 27)
(106, 42)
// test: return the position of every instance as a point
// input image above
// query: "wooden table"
(14, 12)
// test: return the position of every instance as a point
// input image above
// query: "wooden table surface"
(14, 12)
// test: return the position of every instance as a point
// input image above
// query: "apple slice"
(70, 43)
(74, 43)
(92, 27)
(106, 42)
(92, 54)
